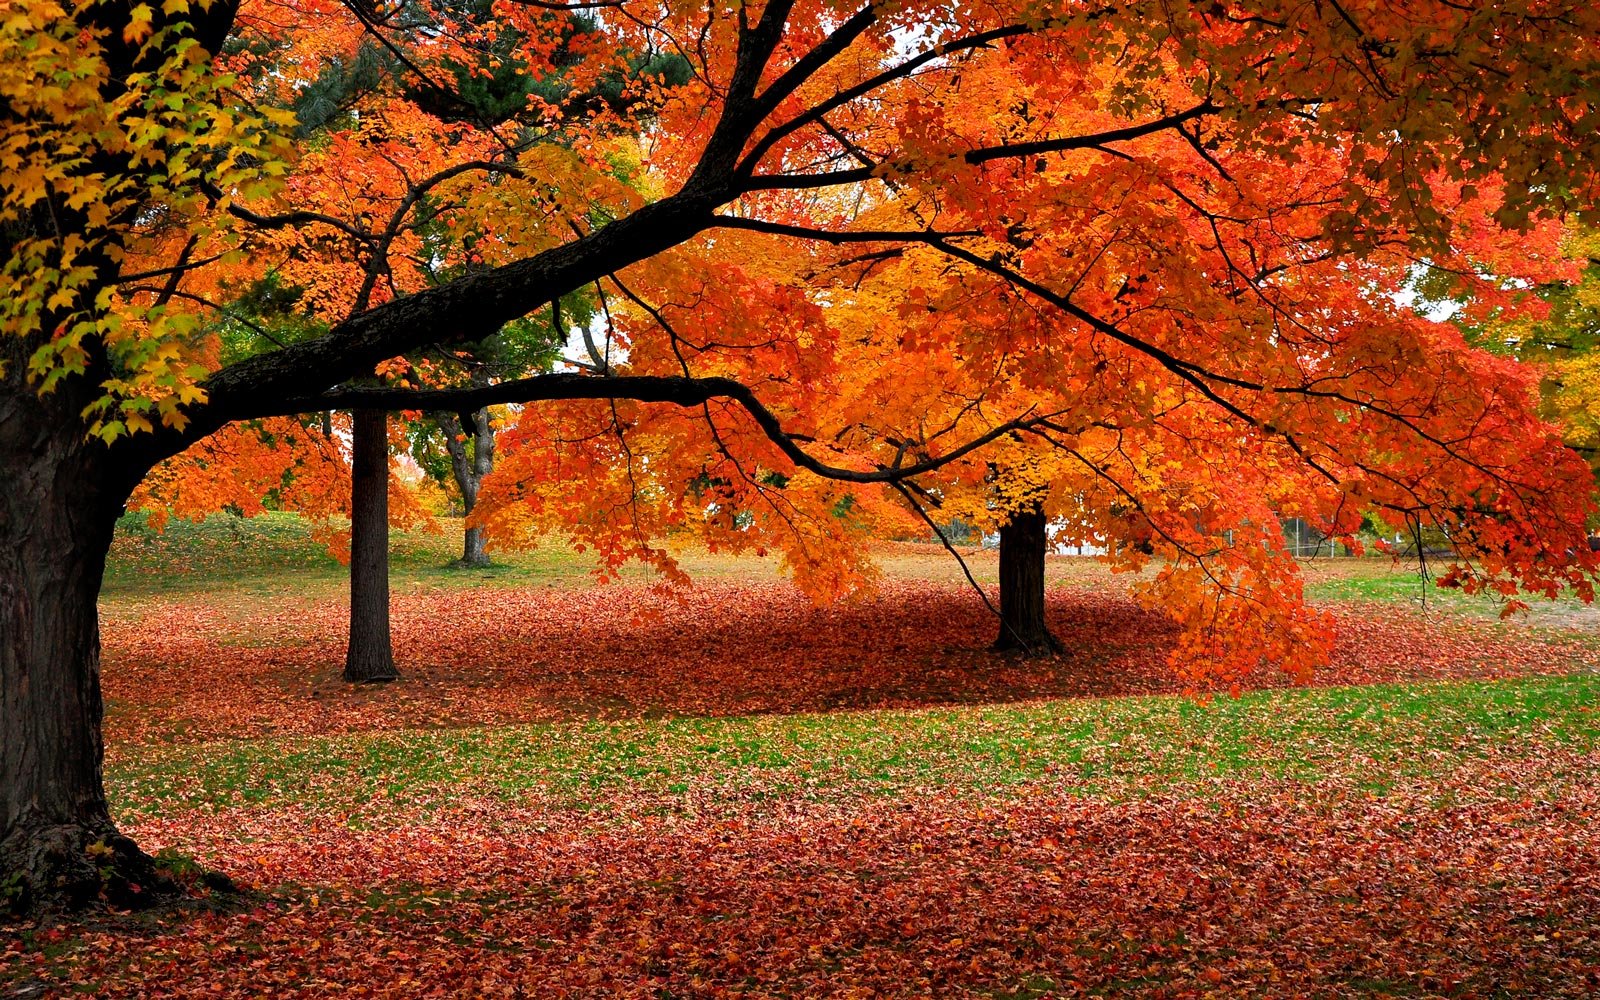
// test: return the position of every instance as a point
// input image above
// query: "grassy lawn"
(1370, 736)
(275, 553)
(1379, 580)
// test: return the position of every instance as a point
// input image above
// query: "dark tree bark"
(58, 508)
(1023, 541)
(469, 468)
(370, 657)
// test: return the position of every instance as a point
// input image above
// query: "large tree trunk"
(370, 657)
(60, 495)
(1023, 541)
(469, 470)
(59, 502)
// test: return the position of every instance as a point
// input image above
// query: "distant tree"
(1024, 542)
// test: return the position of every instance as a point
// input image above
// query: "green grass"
(275, 552)
(1382, 581)
(1387, 583)
(1372, 737)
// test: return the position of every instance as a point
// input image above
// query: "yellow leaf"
(138, 28)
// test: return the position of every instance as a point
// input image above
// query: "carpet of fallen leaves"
(194, 668)
(1483, 882)
(1261, 891)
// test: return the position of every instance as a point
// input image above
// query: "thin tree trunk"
(469, 470)
(1023, 629)
(370, 657)
(476, 553)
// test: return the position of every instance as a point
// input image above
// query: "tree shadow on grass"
(180, 671)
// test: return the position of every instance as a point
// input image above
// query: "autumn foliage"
(1164, 253)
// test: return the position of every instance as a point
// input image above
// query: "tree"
(370, 656)
(1541, 305)
(1165, 237)
(458, 449)
(1024, 541)
(487, 91)
(468, 467)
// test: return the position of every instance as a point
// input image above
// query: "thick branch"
(807, 65)
(678, 390)
(469, 308)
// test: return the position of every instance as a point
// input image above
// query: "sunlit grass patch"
(1113, 748)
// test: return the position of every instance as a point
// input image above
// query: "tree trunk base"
(476, 562)
(369, 659)
(70, 868)
(59, 869)
(382, 673)
(475, 545)
(1035, 644)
